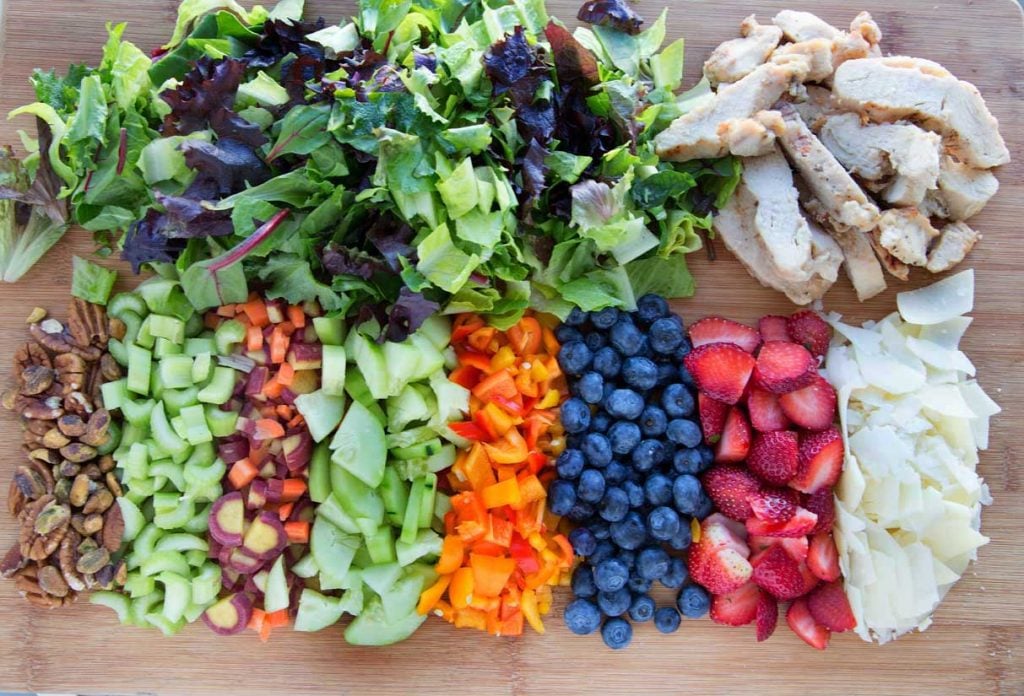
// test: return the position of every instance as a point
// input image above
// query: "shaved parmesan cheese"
(938, 302)
(908, 510)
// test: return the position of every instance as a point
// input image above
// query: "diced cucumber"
(332, 549)
(420, 450)
(381, 576)
(452, 399)
(306, 567)
(411, 519)
(401, 598)
(395, 494)
(330, 330)
(140, 365)
(228, 335)
(408, 406)
(332, 370)
(359, 445)
(220, 388)
(176, 371)
(222, 423)
(356, 498)
(114, 394)
(316, 611)
(427, 501)
(113, 600)
(177, 595)
(402, 361)
(322, 412)
(371, 627)
(163, 347)
(381, 545)
(276, 594)
(426, 544)
(332, 510)
(320, 473)
(133, 518)
(202, 365)
(352, 600)
(369, 358)
(410, 437)
(430, 360)
(356, 387)
(437, 329)
(197, 346)
(329, 582)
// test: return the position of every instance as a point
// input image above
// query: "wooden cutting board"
(977, 643)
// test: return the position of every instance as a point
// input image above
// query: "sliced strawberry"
(718, 561)
(813, 407)
(773, 328)
(773, 456)
(774, 504)
(810, 579)
(800, 621)
(820, 461)
(735, 443)
(736, 608)
(800, 524)
(712, 417)
(810, 331)
(767, 616)
(822, 503)
(765, 413)
(730, 488)
(783, 367)
(719, 532)
(719, 330)
(830, 607)
(778, 574)
(721, 370)
(796, 547)
(823, 557)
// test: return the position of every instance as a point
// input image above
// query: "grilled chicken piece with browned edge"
(897, 87)
(817, 53)
(906, 234)
(816, 106)
(956, 240)
(963, 191)
(696, 135)
(736, 58)
(859, 261)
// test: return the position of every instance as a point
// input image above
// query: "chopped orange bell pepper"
(489, 573)
(460, 590)
(526, 336)
(511, 449)
(502, 493)
(452, 552)
(432, 595)
(500, 384)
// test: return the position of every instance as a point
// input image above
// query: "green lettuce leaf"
(443, 263)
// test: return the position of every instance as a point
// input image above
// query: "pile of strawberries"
(769, 415)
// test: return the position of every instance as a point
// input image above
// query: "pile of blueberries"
(628, 475)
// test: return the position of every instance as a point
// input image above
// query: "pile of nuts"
(64, 496)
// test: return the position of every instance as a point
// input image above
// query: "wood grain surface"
(977, 643)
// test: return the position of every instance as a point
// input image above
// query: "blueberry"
(704, 507)
(600, 529)
(687, 461)
(651, 307)
(617, 633)
(583, 581)
(575, 416)
(648, 454)
(687, 492)
(658, 489)
(624, 436)
(685, 377)
(566, 333)
(581, 511)
(609, 387)
(642, 608)
(590, 487)
(677, 401)
(666, 619)
(652, 563)
(665, 335)
(635, 492)
(583, 541)
(590, 387)
(684, 349)
(684, 432)
(607, 362)
(561, 497)
(693, 601)
(683, 538)
(626, 338)
(615, 473)
(624, 403)
(640, 373)
(653, 421)
(663, 523)
(577, 317)
(570, 464)
(611, 575)
(595, 340)
(637, 585)
(630, 532)
(667, 373)
(574, 358)
(707, 456)
(600, 422)
(676, 575)
(597, 449)
(604, 550)
(604, 319)
(582, 617)
(614, 506)
(615, 603)
(628, 558)
(573, 440)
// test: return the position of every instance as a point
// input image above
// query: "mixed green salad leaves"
(429, 154)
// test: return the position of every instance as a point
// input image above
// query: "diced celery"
(163, 433)
(177, 594)
(200, 522)
(194, 326)
(221, 423)
(139, 490)
(161, 622)
(176, 371)
(138, 585)
(114, 394)
(206, 584)
(140, 364)
(164, 561)
(220, 388)
(203, 467)
(196, 430)
(113, 600)
(156, 385)
(176, 519)
(178, 423)
(165, 501)
(202, 364)
(177, 399)
(118, 350)
(333, 370)
(142, 605)
(133, 518)
(126, 302)
(144, 337)
(138, 413)
(163, 347)
(330, 330)
(171, 472)
(165, 296)
(132, 323)
(171, 328)
(196, 558)
(198, 346)
(195, 610)
(136, 463)
(182, 542)
(229, 334)
(145, 542)
(320, 474)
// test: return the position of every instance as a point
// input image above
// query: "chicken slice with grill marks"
(906, 234)
(734, 59)
(956, 240)
(817, 53)
(859, 261)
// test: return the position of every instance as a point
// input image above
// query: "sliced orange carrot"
(296, 316)
(286, 374)
(279, 342)
(277, 619)
(256, 310)
(242, 473)
(253, 338)
(293, 490)
(268, 429)
(257, 619)
(283, 510)
(297, 531)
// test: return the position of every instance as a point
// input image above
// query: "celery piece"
(177, 518)
(229, 334)
(222, 423)
(330, 330)
(163, 434)
(202, 365)
(206, 584)
(176, 371)
(118, 350)
(136, 463)
(139, 490)
(145, 542)
(196, 430)
(132, 325)
(134, 520)
(163, 347)
(177, 594)
(200, 524)
(171, 328)
(169, 471)
(138, 585)
(156, 384)
(142, 605)
(167, 627)
(165, 296)
(180, 429)
(194, 326)
(144, 337)
(114, 394)
(177, 399)
(196, 557)
(164, 501)
(164, 561)
(220, 388)
(113, 600)
(198, 346)
(333, 370)
(126, 302)
(197, 468)
(140, 365)
(182, 542)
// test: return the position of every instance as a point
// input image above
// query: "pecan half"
(29, 354)
(30, 482)
(71, 369)
(41, 409)
(56, 341)
(41, 534)
(87, 324)
(13, 562)
(35, 379)
(67, 557)
(15, 499)
(113, 529)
